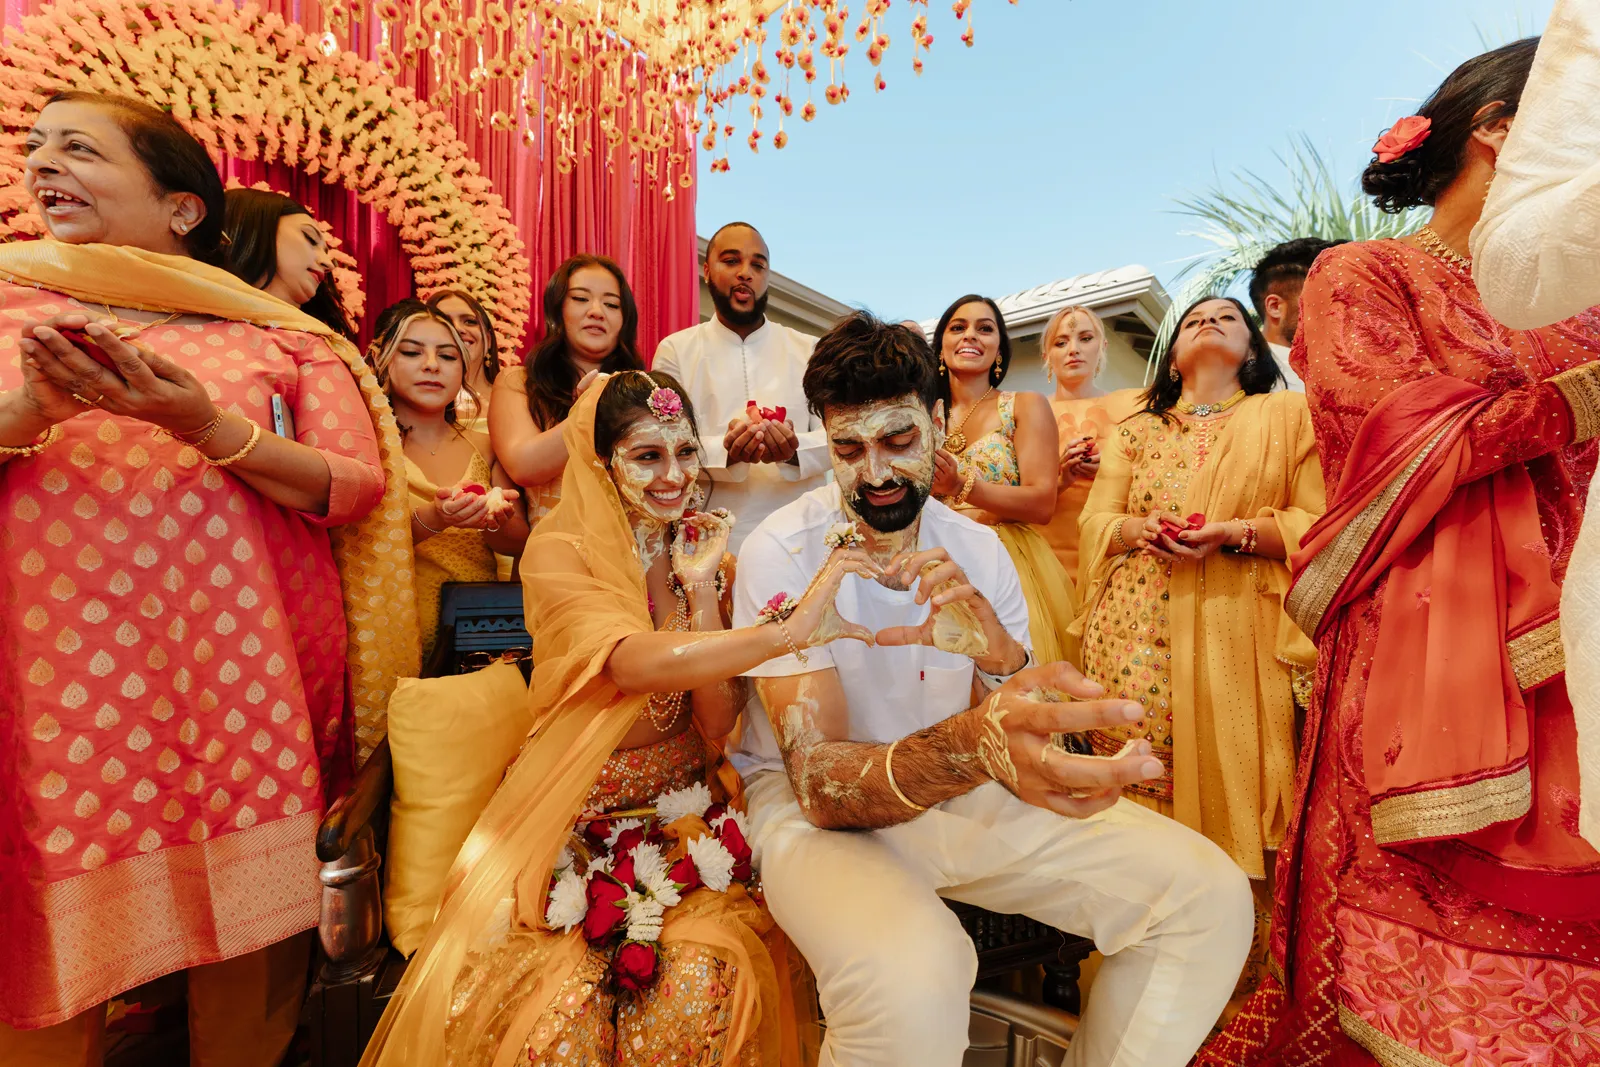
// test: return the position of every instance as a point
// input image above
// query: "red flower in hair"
(1404, 136)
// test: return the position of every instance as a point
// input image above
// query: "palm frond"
(1242, 221)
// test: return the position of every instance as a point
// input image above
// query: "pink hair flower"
(1406, 135)
(665, 404)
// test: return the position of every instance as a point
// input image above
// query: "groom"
(938, 762)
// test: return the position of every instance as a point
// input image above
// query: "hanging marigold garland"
(255, 87)
(652, 72)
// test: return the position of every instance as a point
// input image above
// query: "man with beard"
(743, 372)
(915, 721)
(1275, 286)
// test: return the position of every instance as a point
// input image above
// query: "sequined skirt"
(634, 777)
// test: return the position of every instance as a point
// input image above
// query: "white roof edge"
(1133, 286)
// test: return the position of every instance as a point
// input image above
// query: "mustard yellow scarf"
(374, 554)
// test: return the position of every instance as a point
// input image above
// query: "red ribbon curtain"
(595, 208)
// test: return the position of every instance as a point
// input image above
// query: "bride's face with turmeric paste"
(655, 466)
(883, 459)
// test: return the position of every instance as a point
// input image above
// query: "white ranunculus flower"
(569, 901)
(673, 806)
(713, 861)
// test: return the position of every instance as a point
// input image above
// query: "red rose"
(1403, 137)
(595, 834)
(606, 913)
(732, 839)
(634, 965)
(622, 869)
(627, 839)
(686, 874)
(714, 811)
(1196, 521)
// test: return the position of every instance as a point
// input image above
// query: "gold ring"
(86, 402)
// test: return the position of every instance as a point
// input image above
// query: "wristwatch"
(995, 681)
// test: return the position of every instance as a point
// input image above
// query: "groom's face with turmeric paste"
(883, 459)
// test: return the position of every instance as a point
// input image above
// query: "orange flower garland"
(255, 87)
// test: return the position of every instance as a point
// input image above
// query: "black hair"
(1258, 373)
(625, 399)
(937, 343)
(1419, 176)
(175, 161)
(491, 344)
(864, 360)
(386, 335)
(1288, 261)
(251, 252)
(731, 226)
(551, 375)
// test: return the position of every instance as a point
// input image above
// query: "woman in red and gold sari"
(1435, 904)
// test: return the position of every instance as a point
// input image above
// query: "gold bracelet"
(1119, 544)
(1580, 387)
(966, 488)
(888, 770)
(51, 436)
(206, 432)
(249, 447)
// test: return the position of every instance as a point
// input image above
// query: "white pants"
(894, 968)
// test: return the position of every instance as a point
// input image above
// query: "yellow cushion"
(452, 740)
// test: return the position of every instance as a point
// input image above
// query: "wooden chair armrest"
(348, 815)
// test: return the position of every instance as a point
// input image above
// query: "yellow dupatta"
(1233, 721)
(374, 554)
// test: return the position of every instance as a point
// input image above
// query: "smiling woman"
(168, 556)
(463, 507)
(273, 243)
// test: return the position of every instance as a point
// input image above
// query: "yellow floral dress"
(452, 556)
(1046, 586)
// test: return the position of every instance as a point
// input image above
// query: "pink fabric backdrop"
(595, 208)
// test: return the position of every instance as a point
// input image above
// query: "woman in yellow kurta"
(463, 510)
(1190, 624)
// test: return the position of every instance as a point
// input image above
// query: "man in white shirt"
(1275, 286)
(930, 740)
(759, 457)
(1536, 248)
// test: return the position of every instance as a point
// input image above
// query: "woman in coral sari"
(175, 680)
(531, 959)
(1435, 904)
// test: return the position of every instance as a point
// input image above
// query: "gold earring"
(1172, 372)
(994, 372)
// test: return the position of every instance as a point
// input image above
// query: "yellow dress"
(1205, 647)
(1046, 587)
(452, 556)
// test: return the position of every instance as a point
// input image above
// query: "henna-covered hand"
(961, 619)
(699, 543)
(1013, 729)
(816, 621)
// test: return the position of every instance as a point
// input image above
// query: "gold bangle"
(1119, 544)
(966, 488)
(888, 770)
(1580, 387)
(51, 436)
(249, 447)
(206, 432)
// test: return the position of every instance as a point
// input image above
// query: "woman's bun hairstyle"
(1420, 175)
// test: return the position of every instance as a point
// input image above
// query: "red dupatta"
(1469, 624)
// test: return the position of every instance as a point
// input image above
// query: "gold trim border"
(1537, 656)
(1581, 389)
(1453, 810)
(1385, 1049)
(1311, 594)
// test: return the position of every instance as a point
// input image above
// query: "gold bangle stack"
(51, 436)
(1580, 386)
(249, 447)
(966, 487)
(1119, 544)
(206, 432)
(888, 770)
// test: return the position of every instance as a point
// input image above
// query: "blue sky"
(1056, 144)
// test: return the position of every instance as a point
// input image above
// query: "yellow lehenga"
(493, 984)
(1205, 647)
(1046, 586)
(455, 555)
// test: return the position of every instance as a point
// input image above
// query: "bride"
(600, 912)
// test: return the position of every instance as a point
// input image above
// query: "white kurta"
(1291, 380)
(1536, 250)
(1536, 260)
(721, 373)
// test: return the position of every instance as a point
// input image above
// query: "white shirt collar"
(721, 330)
